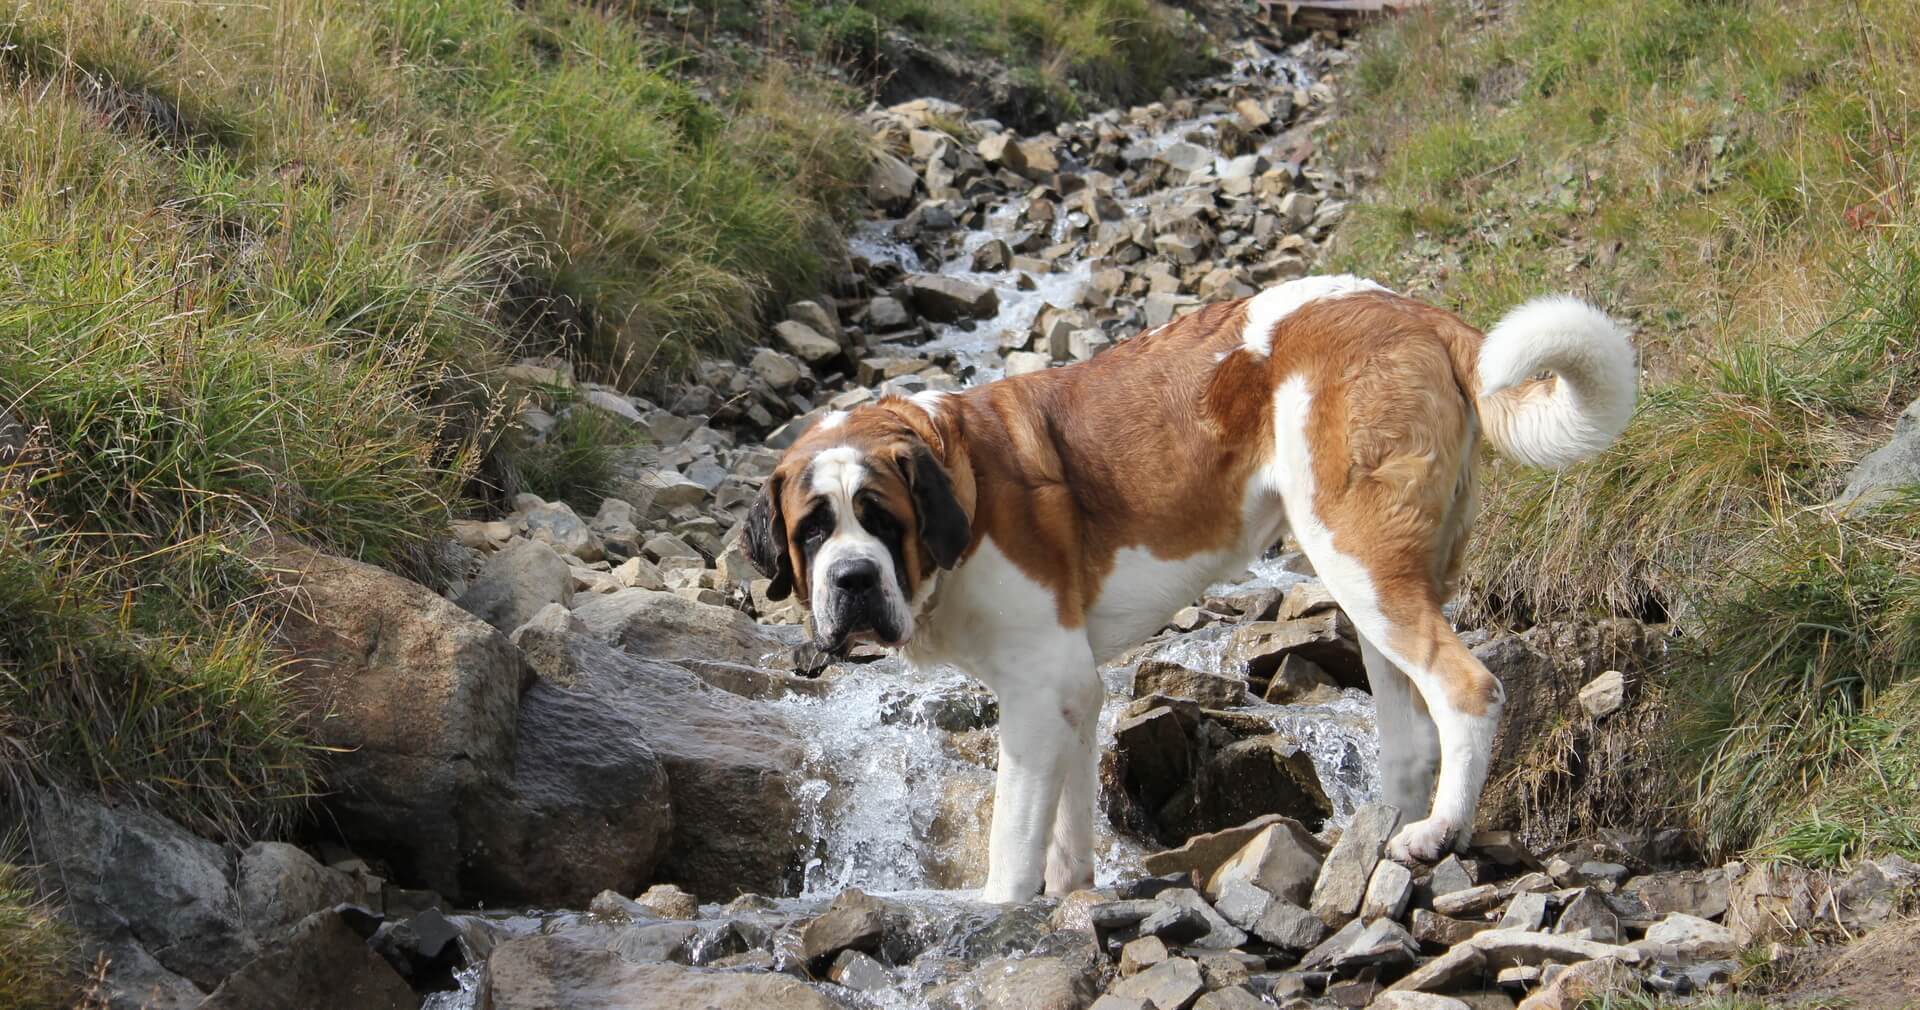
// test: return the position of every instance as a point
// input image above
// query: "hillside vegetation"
(1737, 179)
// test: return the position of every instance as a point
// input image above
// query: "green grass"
(1077, 55)
(575, 463)
(38, 969)
(1737, 180)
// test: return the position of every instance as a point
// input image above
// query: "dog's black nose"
(855, 575)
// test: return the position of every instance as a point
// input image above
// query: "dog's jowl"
(1029, 529)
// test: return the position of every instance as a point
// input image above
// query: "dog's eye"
(877, 520)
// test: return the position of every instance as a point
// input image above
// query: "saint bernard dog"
(1028, 530)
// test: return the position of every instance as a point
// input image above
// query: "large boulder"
(732, 766)
(129, 878)
(590, 807)
(415, 700)
(1881, 473)
(947, 299)
(279, 885)
(664, 626)
(542, 972)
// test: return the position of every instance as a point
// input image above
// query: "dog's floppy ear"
(767, 541)
(943, 523)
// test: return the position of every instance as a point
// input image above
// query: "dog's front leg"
(1046, 716)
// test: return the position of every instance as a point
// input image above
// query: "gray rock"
(660, 625)
(859, 972)
(731, 767)
(1590, 914)
(543, 972)
(854, 921)
(1495, 949)
(613, 403)
(590, 806)
(417, 702)
(556, 525)
(1185, 158)
(891, 182)
(1289, 926)
(279, 885)
(1323, 953)
(950, 299)
(1241, 903)
(1472, 901)
(514, 583)
(1702, 893)
(127, 875)
(804, 342)
(1202, 854)
(1525, 911)
(1221, 934)
(1882, 472)
(1689, 938)
(1111, 915)
(1416, 1001)
(1603, 695)
(1435, 930)
(775, 369)
(1175, 923)
(1235, 997)
(1342, 883)
(1040, 982)
(323, 963)
(1383, 943)
(1282, 859)
(1387, 892)
(819, 318)
(1173, 984)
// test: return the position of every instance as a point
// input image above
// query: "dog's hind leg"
(1409, 746)
(1048, 716)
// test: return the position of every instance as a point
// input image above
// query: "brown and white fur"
(1027, 530)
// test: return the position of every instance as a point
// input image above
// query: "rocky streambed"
(598, 767)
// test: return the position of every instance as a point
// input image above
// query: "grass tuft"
(38, 955)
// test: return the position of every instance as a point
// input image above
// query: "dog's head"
(857, 519)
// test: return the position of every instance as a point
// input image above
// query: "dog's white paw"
(1424, 841)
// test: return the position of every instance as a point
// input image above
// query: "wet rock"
(1261, 646)
(590, 805)
(951, 299)
(1173, 984)
(1185, 158)
(516, 582)
(1281, 859)
(730, 764)
(542, 972)
(1210, 690)
(1124, 914)
(669, 902)
(854, 921)
(416, 700)
(886, 314)
(859, 972)
(424, 949)
(992, 256)
(1031, 983)
(804, 342)
(1343, 876)
(1322, 955)
(1299, 681)
(323, 963)
(1154, 750)
(1267, 774)
(1175, 923)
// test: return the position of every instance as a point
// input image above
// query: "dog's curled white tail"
(1586, 403)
